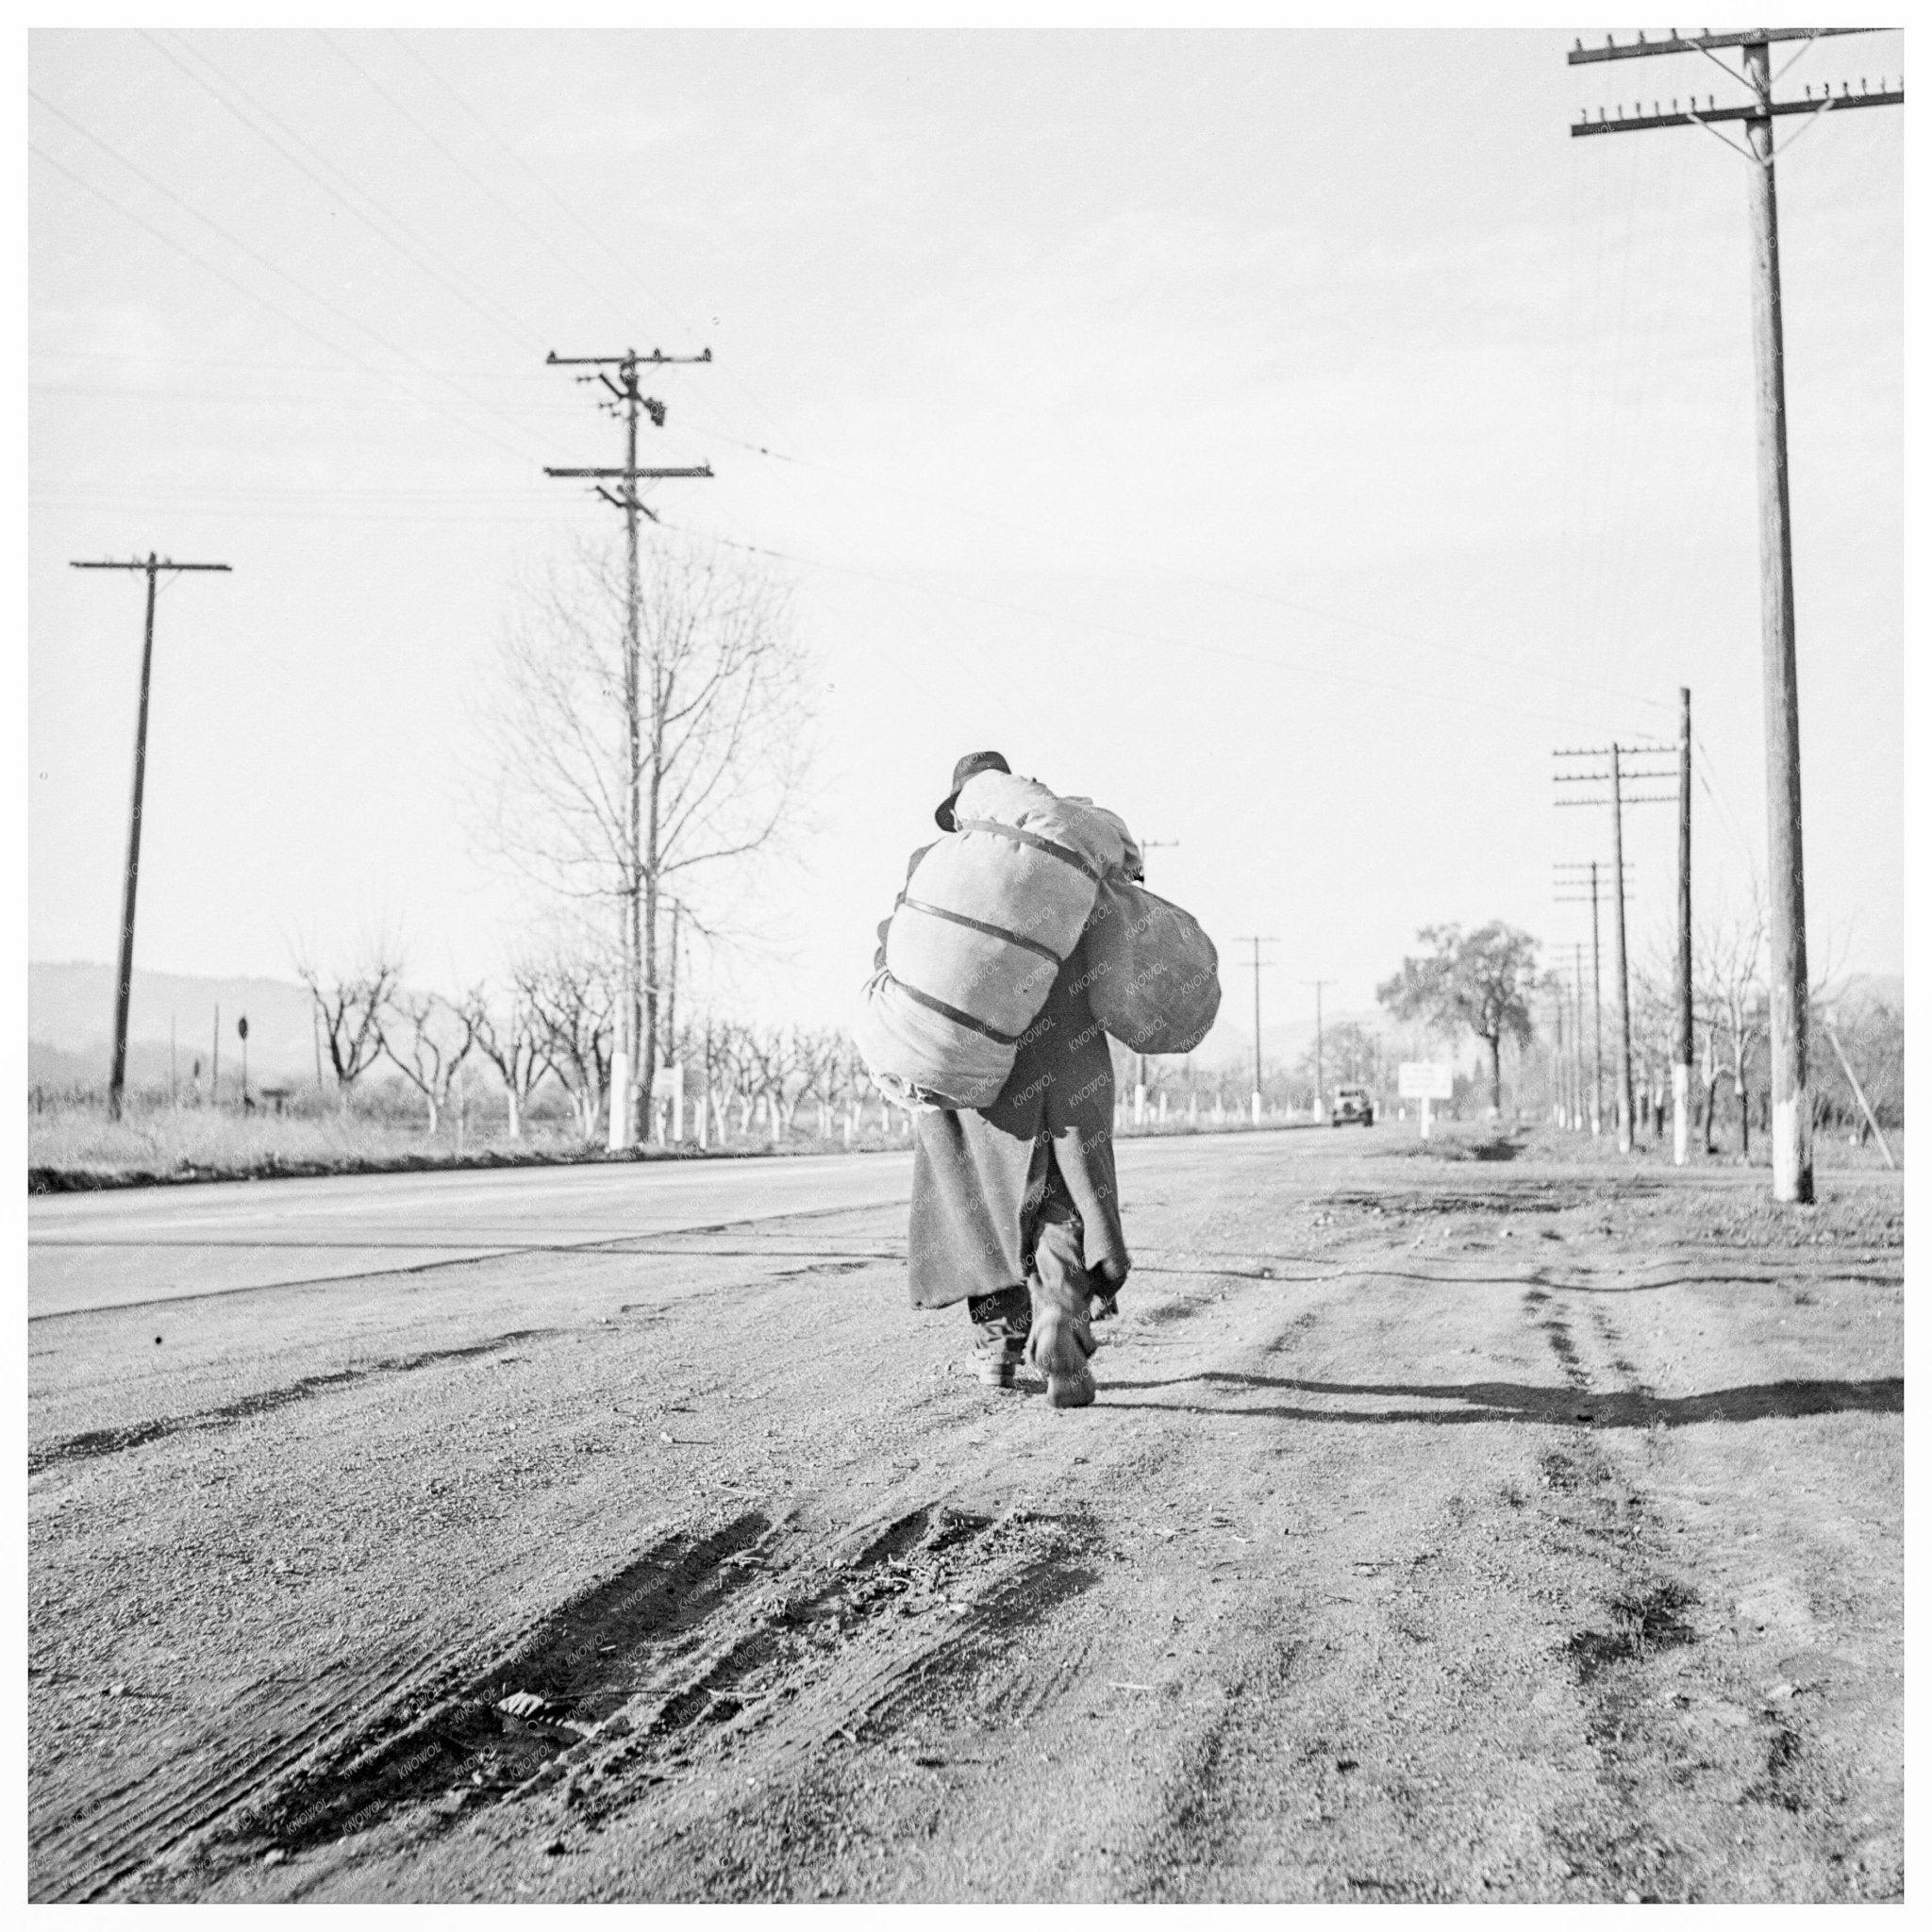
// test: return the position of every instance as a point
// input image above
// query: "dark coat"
(980, 1174)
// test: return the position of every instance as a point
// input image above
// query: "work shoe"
(1060, 1341)
(998, 1359)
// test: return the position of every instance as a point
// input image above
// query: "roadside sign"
(1426, 1080)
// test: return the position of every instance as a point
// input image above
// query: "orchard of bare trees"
(534, 1053)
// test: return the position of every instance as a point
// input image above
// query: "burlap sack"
(1153, 978)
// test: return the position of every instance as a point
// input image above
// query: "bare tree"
(350, 1010)
(854, 1083)
(821, 1057)
(510, 1040)
(428, 1038)
(715, 1073)
(1653, 1034)
(737, 1072)
(571, 998)
(627, 804)
(1733, 997)
(768, 1052)
(1868, 1031)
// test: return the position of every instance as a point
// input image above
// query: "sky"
(1287, 438)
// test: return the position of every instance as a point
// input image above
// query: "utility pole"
(1257, 941)
(1569, 874)
(1626, 1095)
(1790, 1128)
(1627, 1099)
(630, 1079)
(124, 975)
(1576, 1031)
(1318, 985)
(1146, 846)
(1680, 1059)
(1560, 1100)
(1596, 1002)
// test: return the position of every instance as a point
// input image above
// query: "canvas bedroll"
(979, 934)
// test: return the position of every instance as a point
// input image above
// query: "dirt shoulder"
(1444, 1530)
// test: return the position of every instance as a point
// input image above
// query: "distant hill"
(1873, 988)
(70, 1024)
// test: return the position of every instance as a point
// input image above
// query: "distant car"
(1352, 1106)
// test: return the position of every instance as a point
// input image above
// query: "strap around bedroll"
(1065, 854)
(953, 1013)
(991, 931)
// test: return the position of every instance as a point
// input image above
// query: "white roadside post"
(667, 1083)
(619, 1102)
(1425, 1081)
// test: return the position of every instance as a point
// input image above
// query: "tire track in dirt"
(1649, 1626)
(98, 1443)
(747, 1646)
(109, 1838)
(446, 1745)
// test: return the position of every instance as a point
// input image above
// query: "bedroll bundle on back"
(1152, 976)
(981, 931)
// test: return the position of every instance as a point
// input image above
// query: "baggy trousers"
(1055, 1257)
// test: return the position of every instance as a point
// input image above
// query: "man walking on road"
(1015, 1208)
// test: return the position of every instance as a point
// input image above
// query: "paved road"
(126, 1247)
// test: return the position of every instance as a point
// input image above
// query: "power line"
(254, 295)
(256, 256)
(1260, 596)
(482, 187)
(359, 202)
(765, 449)
(1291, 665)
(603, 241)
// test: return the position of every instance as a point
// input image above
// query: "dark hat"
(968, 767)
